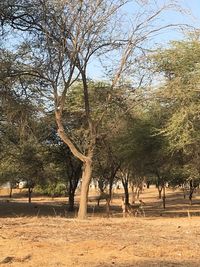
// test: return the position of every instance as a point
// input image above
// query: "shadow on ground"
(21, 209)
(176, 206)
(157, 263)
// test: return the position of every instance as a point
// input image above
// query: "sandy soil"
(162, 238)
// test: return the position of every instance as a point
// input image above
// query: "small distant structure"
(22, 184)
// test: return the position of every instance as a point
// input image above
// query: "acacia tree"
(106, 165)
(19, 114)
(180, 95)
(60, 164)
(62, 39)
(19, 156)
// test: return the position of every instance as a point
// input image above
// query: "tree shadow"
(176, 206)
(21, 209)
(152, 263)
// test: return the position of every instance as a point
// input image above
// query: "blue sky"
(192, 7)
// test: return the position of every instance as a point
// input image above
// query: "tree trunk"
(10, 194)
(86, 178)
(108, 207)
(191, 191)
(160, 192)
(29, 194)
(111, 180)
(101, 185)
(71, 200)
(138, 192)
(159, 184)
(126, 194)
(190, 197)
(184, 191)
(164, 197)
(110, 189)
(133, 194)
(87, 160)
(73, 183)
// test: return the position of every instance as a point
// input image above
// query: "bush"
(53, 190)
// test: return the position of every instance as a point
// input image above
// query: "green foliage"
(180, 93)
(138, 144)
(30, 165)
(179, 98)
(52, 189)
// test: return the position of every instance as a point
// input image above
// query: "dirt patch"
(51, 238)
(100, 242)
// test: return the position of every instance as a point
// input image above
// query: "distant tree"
(19, 115)
(179, 94)
(31, 167)
(62, 167)
(106, 166)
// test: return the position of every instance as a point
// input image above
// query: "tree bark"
(86, 178)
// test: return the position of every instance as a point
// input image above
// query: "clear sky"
(191, 16)
(192, 7)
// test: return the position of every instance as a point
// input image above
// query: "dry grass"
(172, 239)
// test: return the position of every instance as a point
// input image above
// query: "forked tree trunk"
(87, 165)
(86, 178)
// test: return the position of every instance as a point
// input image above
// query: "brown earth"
(43, 234)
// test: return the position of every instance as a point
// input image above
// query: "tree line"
(59, 126)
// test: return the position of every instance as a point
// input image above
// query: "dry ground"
(42, 234)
